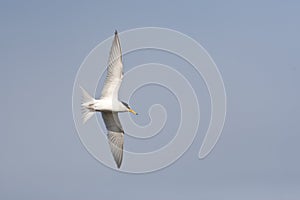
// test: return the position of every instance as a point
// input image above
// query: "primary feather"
(115, 135)
(114, 71)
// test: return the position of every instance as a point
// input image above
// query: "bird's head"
(128, 108)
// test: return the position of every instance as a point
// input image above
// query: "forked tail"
(87, 105)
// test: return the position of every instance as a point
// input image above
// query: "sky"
(255, 45)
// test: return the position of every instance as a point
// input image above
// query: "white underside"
(91, 105)
(107, 105)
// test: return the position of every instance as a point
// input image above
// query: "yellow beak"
(132, 111)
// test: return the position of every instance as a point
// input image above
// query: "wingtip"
(116, 32)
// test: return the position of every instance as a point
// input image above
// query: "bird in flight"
(109, 104)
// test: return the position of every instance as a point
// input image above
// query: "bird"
(109, 104)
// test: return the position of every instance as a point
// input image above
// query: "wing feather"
(114, 71)
(115, 135)
(116, 141)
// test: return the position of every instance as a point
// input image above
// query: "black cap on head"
(126, 104)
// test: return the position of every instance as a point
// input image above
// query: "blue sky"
(255, 45)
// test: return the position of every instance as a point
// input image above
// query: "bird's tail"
(87, 105)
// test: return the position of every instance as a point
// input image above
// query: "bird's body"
(109, 104)
(105, 104)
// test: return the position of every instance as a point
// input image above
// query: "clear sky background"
(256, 47)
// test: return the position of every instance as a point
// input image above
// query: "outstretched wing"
(115, 135)
(114, 71)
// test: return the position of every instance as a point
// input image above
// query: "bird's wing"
(114, 71)
(115, 135)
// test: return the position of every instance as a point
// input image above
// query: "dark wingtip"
(118, 165)
(116, 32)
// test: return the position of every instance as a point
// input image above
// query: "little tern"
(109, 104)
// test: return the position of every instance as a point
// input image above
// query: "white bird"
(109, 104)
